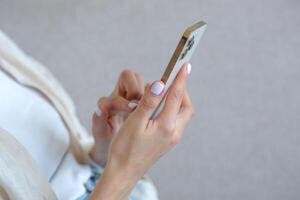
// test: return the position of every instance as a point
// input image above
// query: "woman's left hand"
(112, 111)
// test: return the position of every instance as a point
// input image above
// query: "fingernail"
(132, 104)
(188, 68)
(98, 111)
(157, 88)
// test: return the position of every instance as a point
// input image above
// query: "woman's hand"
(141, 141)
(112, 111)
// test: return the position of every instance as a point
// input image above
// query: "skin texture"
(114, 111)
(140, 141)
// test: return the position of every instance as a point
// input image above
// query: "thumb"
(115, 103)
(150, 100)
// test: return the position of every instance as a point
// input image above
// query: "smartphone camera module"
(191, 43)
(189, 46)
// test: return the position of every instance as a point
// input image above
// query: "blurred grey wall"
(244, 142)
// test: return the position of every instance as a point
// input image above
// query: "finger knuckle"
(148, 103)
(126, 72)
(101, 100)
(177, 95)
(147, 86)
(141, 91)
(139, 76)
(169, 128)
(115, 101)
(174, 140)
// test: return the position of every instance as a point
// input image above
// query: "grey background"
(244, 141)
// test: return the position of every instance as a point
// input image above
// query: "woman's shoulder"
(30, 72)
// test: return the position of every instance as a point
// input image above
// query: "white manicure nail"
(98, 111)
(157, 88)
(189, 68)
(132, 104)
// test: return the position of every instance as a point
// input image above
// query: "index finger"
(129, 85)
(175, 95)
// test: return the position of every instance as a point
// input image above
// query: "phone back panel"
(182, 55)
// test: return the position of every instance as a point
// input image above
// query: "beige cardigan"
(20, 177)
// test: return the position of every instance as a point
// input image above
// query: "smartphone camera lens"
(190, 44)
(183, 54)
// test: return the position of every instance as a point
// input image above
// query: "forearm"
(115, 183)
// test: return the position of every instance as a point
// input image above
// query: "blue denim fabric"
(91, 183)
(143, 190)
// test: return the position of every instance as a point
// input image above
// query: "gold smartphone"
(181, 55)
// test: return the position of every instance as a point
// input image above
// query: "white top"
(35, 123)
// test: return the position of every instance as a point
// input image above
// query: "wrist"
(98, 156)
(116, 182)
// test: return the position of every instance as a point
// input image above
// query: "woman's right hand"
(141, 141)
